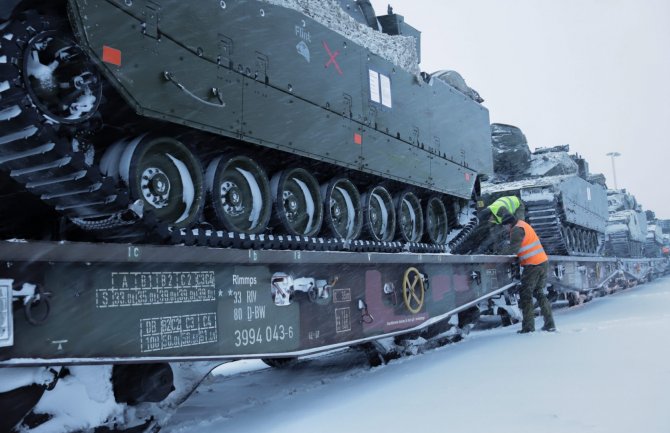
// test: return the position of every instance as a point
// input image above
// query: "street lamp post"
(614, 155)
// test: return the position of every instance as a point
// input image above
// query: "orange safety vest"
(531, 251)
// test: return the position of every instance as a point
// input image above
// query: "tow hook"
(31, 296)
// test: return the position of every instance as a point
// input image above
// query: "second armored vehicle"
(564, 204)
(627, 225)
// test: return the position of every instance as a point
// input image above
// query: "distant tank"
(653, 245)
(565, 204)
(143, 120)
(665, 225)
(626, 226)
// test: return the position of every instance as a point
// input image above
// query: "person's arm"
(515, 240)
(484, 215)
(502, 213)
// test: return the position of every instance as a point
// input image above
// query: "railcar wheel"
(298, 204)
(410, 217)
(239, 194)
(436, 221)
(505, 317)
(166, 176)
(279, 362)
(16, 403)
(379, 214)
(342, 204)
(60, 79)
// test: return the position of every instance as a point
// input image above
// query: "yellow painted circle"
(413, 290)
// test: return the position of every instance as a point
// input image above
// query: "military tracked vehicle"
(654, 243)
(665, 228)
(626, 226)
(108, 112)
(565, 204)
(245, 119)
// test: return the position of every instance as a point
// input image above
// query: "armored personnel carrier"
(264, 124)
(626, 226)
(665, 225)
(653, 245)
(564, 203)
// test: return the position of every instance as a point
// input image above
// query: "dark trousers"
(533, 280)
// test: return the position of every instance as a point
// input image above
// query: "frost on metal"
(399, 50)
(490, 188)
(628, 221)
(456, 80)
(514, 163)
(626, 215)
(511, 153)
(538, 195)
(552, 163)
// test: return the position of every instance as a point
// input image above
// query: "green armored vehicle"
(626, 226)
(263, 124)
(565, 204)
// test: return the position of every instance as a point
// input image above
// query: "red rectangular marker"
(111, 55)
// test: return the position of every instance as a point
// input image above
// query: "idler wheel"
(139, 383)
(60, 79)
(297, 199)
(379, 214)
(342, 204)
(167, 177)
(239, 194)
(410, 217)
(436, 221)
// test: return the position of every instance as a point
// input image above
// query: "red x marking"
(332, 58)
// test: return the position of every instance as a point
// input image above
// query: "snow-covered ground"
(606, 370)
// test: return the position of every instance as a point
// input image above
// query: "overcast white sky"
(594, 74)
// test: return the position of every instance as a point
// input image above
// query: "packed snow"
(188, 189)
(309, 204)
(605, 370)
(256, 197)
(491, 188)
(400, 50)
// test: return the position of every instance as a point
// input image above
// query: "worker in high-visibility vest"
(534, 262)
(496, 211)
(489, 235)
